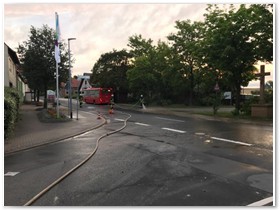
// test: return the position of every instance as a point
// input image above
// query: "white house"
(13, 76)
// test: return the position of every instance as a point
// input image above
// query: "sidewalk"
(31, 132)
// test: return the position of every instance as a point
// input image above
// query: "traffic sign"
(216, 88)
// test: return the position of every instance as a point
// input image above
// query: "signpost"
(70, 78)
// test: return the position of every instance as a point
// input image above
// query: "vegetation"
(235, 41)
(50, 116)
(38, 62)
(221, 50)
(11, 110)
(110, 71)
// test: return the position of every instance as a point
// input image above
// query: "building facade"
(13, 76)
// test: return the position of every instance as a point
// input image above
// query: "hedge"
(11, 110)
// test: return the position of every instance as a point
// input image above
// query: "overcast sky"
(98, 28)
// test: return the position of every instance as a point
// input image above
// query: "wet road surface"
(156, 160)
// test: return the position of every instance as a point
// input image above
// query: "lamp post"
(70, 79)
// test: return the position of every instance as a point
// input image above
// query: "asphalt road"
(157, 160)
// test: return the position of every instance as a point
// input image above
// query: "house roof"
(13, 55)
(75, 83)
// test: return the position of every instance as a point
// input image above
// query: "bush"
(246, 106)
(11, 110)
(235, 112)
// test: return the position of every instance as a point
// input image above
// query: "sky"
(99, 27)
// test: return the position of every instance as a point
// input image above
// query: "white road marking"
(162, 118)
(174, 130)
(117, 119)
(55, 199)
(231, 141)
(74, 116)
(137, 123)
(83, 134)
(11, 173)
(262, 202)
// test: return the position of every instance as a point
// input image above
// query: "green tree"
(151, 67)
(186, 43)
(268, 93)
(235, 40)
(140, 46)
(38, 62)
(110, 71)
(157, 72)
(141, 78)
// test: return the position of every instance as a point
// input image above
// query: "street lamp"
(70, 79)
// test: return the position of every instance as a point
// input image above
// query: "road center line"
(262, 202)
(162, 118)
(231, 141)
(174, 130)
(137, 123)
(117, 119)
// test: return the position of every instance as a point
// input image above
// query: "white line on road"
(74, 116)
(11, 173)
(262, 202)
(162, 118)
(117, 119)
(91, 107)
(231, 141)
(174, 130)
(137, 123)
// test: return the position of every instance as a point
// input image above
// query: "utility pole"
(70, 79)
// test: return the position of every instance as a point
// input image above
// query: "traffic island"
(49, 116)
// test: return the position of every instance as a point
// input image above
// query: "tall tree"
(157, 71)
(150, 67)
(187, 43)
(235, 40)
(38, 62)
(140, 46)
(141, 77)
(110, 71)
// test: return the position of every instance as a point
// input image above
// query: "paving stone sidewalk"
(31, 132)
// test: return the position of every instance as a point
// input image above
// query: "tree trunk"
(191, 89)
(38, 96)
(45, 96)
(34, 95)
(237, 102)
